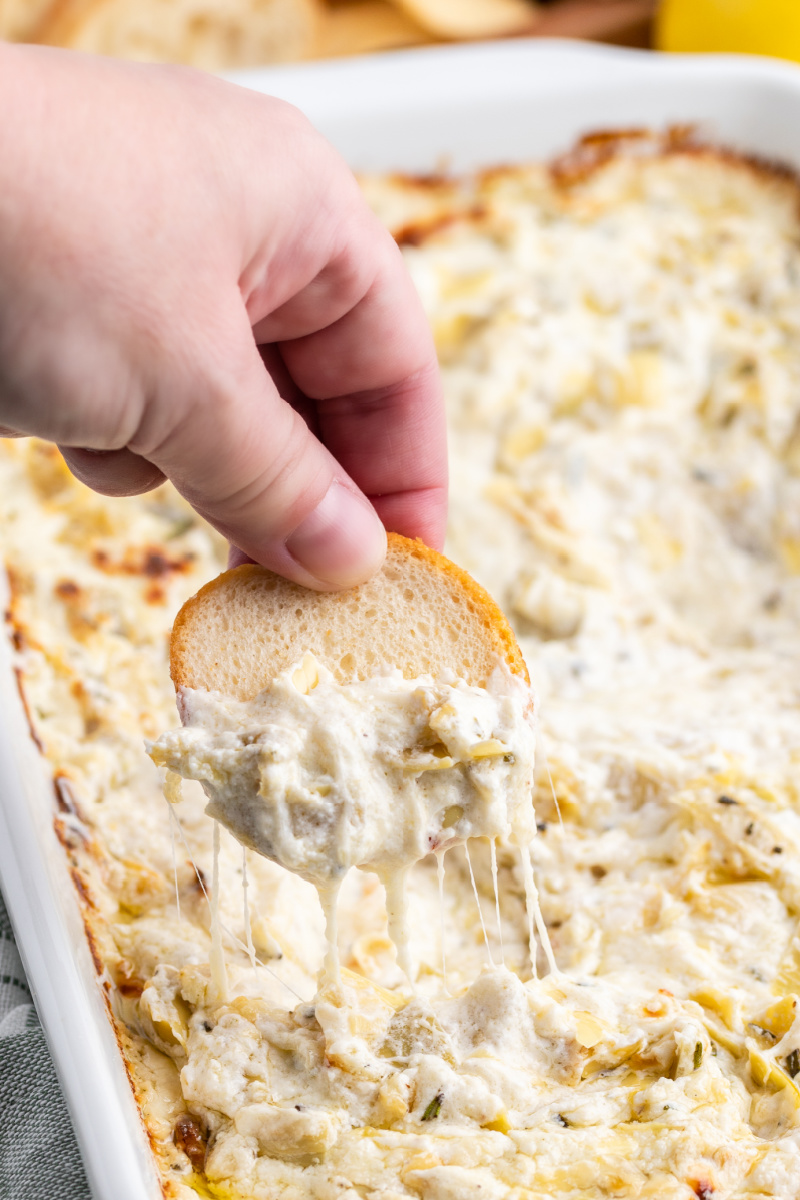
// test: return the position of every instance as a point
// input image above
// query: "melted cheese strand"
(329, 899)
(187, 848)
(251, 950)
(541, 752)
(172, 819)
(544, 936)
(440, 876)
(172, 789)
(493, 853)
(219, 976)
(535, 914)
(228, 933)
(394, 883)
(530, 904)
(478, 902)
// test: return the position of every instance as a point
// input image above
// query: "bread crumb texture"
(420, 613)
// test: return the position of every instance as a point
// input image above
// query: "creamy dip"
(321, 777)
(621, 361)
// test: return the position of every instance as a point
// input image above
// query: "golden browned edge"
(590, 154)
(189, 621)
(75, 846)
(599, 147)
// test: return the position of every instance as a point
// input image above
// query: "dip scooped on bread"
(367, 728)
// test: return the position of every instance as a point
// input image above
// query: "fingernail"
(342, 542)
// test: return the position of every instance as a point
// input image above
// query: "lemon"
(746, 26)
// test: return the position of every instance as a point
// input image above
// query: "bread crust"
(276, 31)
(203, 636)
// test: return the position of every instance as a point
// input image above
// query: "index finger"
(374, 376)
(392, 441)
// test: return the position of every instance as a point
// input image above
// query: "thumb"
(250, 465)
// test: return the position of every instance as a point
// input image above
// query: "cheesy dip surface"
(620, 342)
(378, 773)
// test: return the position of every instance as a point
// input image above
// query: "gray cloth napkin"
(39, 1158)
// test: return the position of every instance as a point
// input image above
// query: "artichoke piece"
(164, 1014)
(415, 1030)
(779, 1017)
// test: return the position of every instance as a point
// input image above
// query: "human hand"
(158, 226)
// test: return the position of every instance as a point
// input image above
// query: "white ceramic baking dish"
(414, 111)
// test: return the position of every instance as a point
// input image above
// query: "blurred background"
(225, 34)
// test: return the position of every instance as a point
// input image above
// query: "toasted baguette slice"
(472, 18)
(213, 34)
(367, 27)
(19, 19)
(420, 613)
